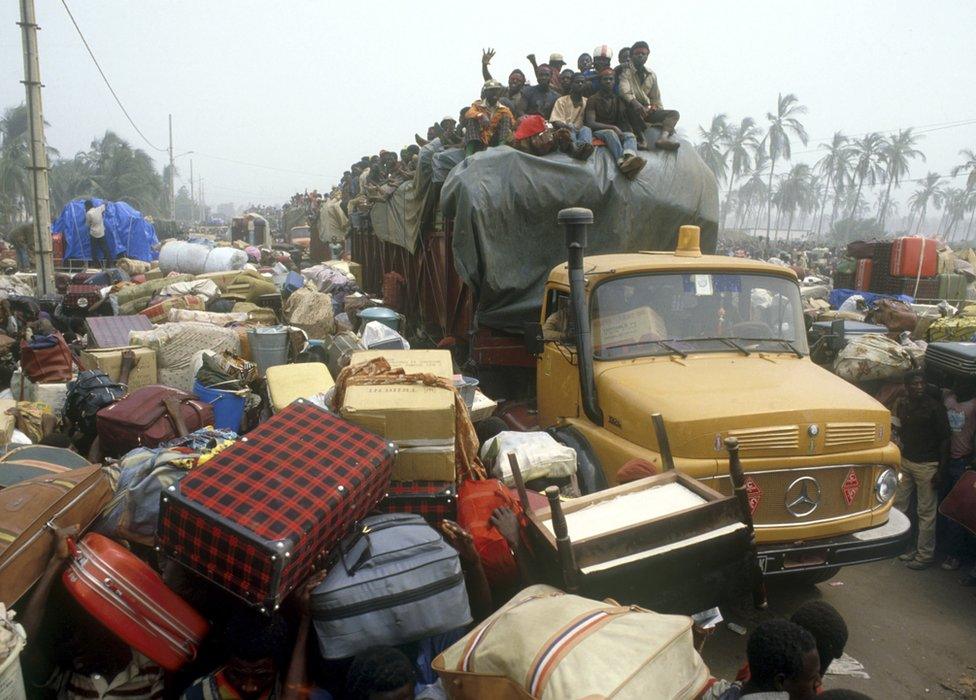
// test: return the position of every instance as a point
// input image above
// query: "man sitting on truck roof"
(540, 98)
(602, 55)
(567, 116)
(639, 89)
(606, 116)
(515, 98)
(487, 121)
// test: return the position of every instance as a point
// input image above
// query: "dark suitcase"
(861, 249)
(953, 359)
(256, 518)
(82, 277)
(960, 504)
(141, 419)
(434, 500)
(339, 349)
(81, 297)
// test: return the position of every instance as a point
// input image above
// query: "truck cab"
(717, 346)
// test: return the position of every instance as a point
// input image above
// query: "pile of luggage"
(248, 428)
(911, 265)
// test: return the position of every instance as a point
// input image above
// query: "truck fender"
(589, 472)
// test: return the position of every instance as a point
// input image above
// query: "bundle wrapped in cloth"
(176, 344)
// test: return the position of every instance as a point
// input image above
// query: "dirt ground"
(914, 631)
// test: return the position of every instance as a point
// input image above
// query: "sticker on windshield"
(703, 285)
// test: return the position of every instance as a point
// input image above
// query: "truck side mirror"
(534, 340)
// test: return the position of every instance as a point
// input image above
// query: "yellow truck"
(717, 346)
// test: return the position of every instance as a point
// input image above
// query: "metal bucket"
(466, 386)
(269, 347)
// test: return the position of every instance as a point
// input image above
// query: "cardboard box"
(109, 360)
(436, 362)
(419, 419)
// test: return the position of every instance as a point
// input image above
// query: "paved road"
(913, 630)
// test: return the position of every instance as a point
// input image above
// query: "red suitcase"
(256, 518)
(123, 593)
(862, 274)
(433, 500)
(908, 254)
(81, 297)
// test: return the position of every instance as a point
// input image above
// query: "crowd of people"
(570, 111)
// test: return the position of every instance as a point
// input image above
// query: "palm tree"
(781, 124)
(796, 191)
(16, 188)
(968, 166)
(867, 151)
(741, 144)
(895, 154)
(928, 192)
(835, 165)
(955, 205)
(755, 188)
(710, 148)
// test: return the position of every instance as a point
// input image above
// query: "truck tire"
(589, 473)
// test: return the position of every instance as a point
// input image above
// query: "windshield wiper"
(730, 342)
(782, 341)
(663, 343)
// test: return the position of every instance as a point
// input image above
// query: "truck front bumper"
(876, 543)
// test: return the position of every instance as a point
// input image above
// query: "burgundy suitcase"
(81, 297)
(256, 518)
(124, 593)
(434, 500)
(960, 504)
(141, 419)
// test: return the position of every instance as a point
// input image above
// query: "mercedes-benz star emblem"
(803, 496)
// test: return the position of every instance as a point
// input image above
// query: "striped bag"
(548, 644)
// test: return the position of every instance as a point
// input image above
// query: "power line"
(922, 129)
(107, 83)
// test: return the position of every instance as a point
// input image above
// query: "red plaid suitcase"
(81, 297)
(260, 515)
(433, 500)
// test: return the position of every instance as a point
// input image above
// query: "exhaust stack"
(575, 220)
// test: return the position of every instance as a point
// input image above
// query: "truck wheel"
(810, 578)
(589, 472)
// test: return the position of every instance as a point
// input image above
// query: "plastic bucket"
(11, 678)
(466, 386)
(228, 406)
(269, 347)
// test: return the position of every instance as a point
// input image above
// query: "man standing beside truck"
(924, 430)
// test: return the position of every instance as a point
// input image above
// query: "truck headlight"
(884, 487)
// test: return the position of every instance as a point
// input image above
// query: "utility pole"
(172, 174)
(38, 167)
(193, 202)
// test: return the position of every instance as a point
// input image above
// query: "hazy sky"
(304, 88)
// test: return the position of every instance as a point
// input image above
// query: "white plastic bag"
(376, 334)
(538, 454)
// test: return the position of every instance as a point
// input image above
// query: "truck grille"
(840, 434)
(773, 485)
(784, 437)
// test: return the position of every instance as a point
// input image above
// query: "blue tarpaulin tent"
(127, 231)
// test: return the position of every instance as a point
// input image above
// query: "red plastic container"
(862, 274)
(123, 593)
(907, 254)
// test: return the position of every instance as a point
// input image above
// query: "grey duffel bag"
(395, 581)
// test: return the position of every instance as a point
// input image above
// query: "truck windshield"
(683, 313)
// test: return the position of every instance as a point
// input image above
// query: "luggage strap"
(562, 642)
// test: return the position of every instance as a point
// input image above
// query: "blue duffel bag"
(396, 581)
